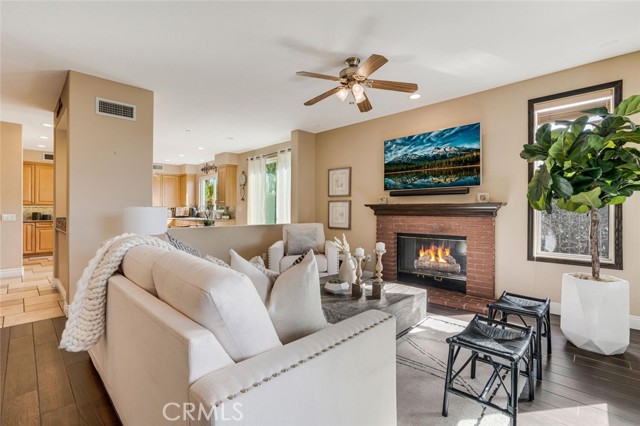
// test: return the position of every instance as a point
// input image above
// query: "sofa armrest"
(342, 375)
(276, 253)
(331, 252)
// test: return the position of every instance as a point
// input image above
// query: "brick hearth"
(476, 222)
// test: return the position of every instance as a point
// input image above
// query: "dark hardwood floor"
(40, 384)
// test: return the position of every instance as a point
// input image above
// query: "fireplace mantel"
(426, 209)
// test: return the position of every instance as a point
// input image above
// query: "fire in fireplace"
(434, 260)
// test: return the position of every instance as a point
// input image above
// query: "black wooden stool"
(515, 304)
(489, 342)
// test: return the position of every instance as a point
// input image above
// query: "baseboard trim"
(14, 272)
(634, 320)
(58, 285)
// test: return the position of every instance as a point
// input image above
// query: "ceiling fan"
(355, 78)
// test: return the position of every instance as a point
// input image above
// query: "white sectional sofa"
(161, 366)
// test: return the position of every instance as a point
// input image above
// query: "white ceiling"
(227, 70)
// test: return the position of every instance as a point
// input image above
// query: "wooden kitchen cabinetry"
(227, 183)
(174, 190)
(28, 238)
(37, 238)
(37, 184)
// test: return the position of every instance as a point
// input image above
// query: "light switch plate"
(8, 217)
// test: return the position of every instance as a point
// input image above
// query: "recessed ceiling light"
(187, 130)
(42, 146)
(180, 155)
(44, 137)
(415, 96)
(202, 160)
(200, 148)
(47, 125)
(167, 161)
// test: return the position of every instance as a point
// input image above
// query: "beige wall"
(11, 198)
(248, 241)
(243, 158)
(303, 177)
(35, 156)
(502, 113)
(109, 163)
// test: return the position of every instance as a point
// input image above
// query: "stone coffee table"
(407, 304)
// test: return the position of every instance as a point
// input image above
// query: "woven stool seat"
(501, 345)
(538, 309)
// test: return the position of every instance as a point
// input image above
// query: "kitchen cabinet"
(37, 238)
(28, 183)
(28, 238)
(174, 190)
(37, 184)
(44, 237)
(157, 190)
(170, 190)
(227, 185)
(187, 190)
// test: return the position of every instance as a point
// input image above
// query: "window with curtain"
(563, 237)
(269, 189)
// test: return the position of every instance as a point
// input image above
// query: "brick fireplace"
(475, 222)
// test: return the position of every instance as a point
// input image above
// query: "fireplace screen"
(439, 260)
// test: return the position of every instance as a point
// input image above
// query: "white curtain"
(256, 209)
(283, 187)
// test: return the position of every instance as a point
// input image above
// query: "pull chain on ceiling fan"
(355, 78)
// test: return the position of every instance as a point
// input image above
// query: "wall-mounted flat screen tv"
(438, 159)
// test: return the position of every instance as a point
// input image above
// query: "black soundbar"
(430, 191)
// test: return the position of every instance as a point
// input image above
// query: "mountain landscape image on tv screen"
(437, 159)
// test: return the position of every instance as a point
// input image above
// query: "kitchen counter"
(37, 221)
(186, 222)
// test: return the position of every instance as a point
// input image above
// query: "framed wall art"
(340, 182)
(340, 214)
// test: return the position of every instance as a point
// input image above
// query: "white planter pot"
(595, 314)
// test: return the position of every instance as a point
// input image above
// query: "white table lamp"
(144, 220)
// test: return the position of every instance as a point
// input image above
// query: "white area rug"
(421, 358)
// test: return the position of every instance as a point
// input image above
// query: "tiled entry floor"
(31, 297)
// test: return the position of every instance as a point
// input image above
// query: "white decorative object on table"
(337, 286)
(595, 314)
(357, 285)
(347, 270)
(376, 288)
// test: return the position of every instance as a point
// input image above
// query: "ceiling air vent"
(46, 156)
(115, 109)
(158, 167)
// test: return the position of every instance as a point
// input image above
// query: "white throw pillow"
(301, 240)
(220, 299)
(294, 304)
(261, 281)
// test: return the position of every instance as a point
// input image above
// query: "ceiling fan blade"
(323, 96)
(365, 105)
(393, 85)
(371, 65)
(315, 75)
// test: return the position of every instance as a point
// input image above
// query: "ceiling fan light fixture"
(358, 92)
(342, 94)
(415, 96)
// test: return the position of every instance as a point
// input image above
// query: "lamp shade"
(144, 220)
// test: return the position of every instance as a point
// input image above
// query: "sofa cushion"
(294, 304)
(288, 261)
(260, 280)
(300, 241)
(220, 299)
(293, 227)
(138, 263)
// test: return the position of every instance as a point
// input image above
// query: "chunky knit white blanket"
(86, 323)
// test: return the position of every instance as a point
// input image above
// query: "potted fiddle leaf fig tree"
(587, 165)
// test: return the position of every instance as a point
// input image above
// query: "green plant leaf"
(572, 207)
(596, 142)
(624, 137)
(543, 136)
(533, 153)
(588, 198)
(561, 186)
(629, 106)
(601, 111)
(617, 200)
